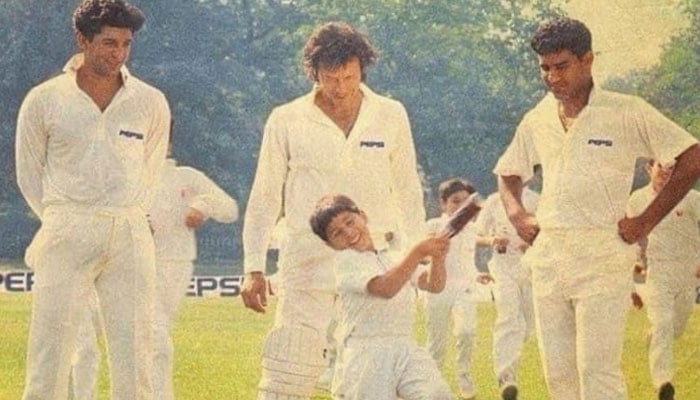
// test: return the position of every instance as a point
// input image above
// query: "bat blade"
(465, 213)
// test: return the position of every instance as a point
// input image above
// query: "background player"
(455, 303)
(671, 255)
(512, 287)
(185, 199)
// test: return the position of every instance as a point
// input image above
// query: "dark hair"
(91, 15)
(562, 34)
(332, 45)
(451, 186)
(327, 208)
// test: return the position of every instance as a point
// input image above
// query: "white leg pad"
(292, 361)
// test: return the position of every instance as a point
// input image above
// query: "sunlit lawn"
(218, 341)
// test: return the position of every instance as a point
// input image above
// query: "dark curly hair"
(91, 15)
(454, 185)
(562, 34)
(332, 45)
(327, 208)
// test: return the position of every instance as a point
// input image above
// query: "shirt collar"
(366, 92)
(550, 104)
(77, 60)
(594, 95)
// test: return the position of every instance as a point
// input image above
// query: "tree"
(463, 68)
(672, 85)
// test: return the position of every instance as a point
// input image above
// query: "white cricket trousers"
(459, 307)
(514, 321)
(86, 360)
(79, 250)
(384, 368)
(172, 280)
(668, 311)
(581, 284)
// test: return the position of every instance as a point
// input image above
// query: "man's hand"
(254, 293)
(632, 230)
(527, 227)
(500, 244)
(637, 301)
(484, 278)
(194, 218)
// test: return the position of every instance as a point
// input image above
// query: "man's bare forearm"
(510, 189)
(685, 173)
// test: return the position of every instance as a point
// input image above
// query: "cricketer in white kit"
(90, 147)
(512, 288)
(455, 303)
(587, 141)
(308, 151)
(378, 358)
(671, 254)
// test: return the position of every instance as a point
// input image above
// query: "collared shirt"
(304, 155)
(588, 171)
(179, 189)
(363, 315)
(69, 152)
(674, 244)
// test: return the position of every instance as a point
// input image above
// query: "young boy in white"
(671, 255)
(512, 287)
(455, 301)
(378, 358)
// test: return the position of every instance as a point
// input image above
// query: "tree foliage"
(673, 84)
(463, 68)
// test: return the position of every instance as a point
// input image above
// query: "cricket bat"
(465, 213)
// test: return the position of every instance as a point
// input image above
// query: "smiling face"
(566, 75)
(107, 52)
(348, 230)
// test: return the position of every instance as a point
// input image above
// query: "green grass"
(218, 342)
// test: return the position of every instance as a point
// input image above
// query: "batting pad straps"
(292, 361)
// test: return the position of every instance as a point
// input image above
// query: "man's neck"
(570, 108)
(342, 114)
(101, 89)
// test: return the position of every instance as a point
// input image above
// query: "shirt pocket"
(128, 143)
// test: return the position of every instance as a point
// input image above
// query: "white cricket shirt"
(588, 171)
(674, 244)
(363, 315)
(180, 188)
(69, 152)
(304, 156)
(493, 221)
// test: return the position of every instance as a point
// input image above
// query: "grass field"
(217, 353)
